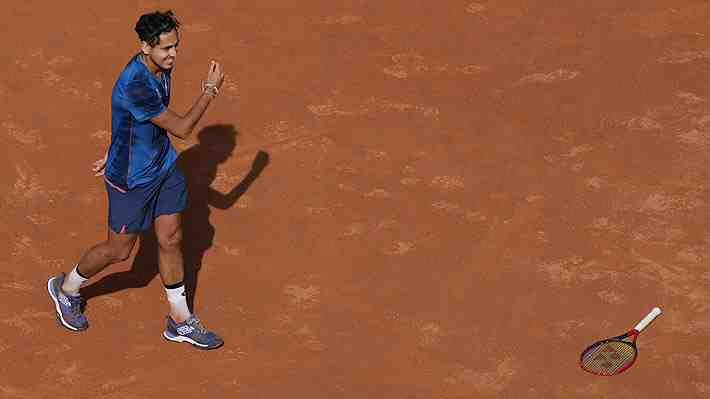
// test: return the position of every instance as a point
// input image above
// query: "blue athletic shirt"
(140, 151)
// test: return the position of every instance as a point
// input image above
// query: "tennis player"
(145, 187)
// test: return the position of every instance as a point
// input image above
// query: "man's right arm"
(182, 126)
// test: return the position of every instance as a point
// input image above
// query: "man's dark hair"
(150, 26)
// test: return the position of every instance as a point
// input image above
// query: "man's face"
(163, 54)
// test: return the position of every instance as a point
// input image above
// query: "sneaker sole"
(190, 341)
(59, 311)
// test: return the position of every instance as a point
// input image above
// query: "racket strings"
(608, 357)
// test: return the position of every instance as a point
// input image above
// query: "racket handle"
(648, 319)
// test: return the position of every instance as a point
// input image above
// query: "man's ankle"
(178, 318)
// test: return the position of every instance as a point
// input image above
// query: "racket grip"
(648, 319)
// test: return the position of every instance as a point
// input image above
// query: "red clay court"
(396, 199)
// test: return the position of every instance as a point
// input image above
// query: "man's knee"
(119, 250)
(171, 238)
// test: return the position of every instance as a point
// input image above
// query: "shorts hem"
(126, 229)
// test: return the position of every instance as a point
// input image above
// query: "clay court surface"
(395, 199)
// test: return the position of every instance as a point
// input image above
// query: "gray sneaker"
(192, 331)
(68, 307)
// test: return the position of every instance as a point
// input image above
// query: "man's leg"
(117, 248)
(64, 289)
(182, 326)
(168, 230)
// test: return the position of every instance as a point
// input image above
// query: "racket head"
(610, 356)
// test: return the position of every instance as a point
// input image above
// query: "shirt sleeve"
(143, 100)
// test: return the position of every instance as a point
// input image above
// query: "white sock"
(177, 298)
(73, 281)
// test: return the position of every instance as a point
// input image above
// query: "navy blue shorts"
(133, 211)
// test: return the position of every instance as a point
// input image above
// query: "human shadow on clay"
(199, 165)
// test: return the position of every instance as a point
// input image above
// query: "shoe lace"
(75, 307)
(197, 324)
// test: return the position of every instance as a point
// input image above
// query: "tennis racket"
(613, 356)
